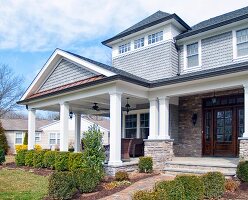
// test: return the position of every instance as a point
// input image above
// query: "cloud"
(42, 25)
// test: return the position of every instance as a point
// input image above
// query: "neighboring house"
(47, 133)
(187, 87)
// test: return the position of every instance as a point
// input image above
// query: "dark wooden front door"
(222, 125)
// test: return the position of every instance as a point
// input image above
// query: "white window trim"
(38, 137)
(185, 59)
(22, 138)
(133, 112)
(56, 138)
(235, 49)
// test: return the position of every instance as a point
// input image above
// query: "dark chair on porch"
(125, 148)
(137, 147)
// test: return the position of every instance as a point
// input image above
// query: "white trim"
(56, 138)
(19, 138)
(37, 137)
(237, 58)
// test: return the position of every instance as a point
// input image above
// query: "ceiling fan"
(96, 107)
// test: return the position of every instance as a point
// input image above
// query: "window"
(192, 55)
(124, 48)
(144, 125)
(37, 137)
(138, 43)
(131, 126)
(156, 37)
(19, 138)
(242, 42)
(54, 139)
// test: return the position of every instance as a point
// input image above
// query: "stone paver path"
(145, 184)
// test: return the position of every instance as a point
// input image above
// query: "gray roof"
(22, 124)
(152, 20)
(216, 22)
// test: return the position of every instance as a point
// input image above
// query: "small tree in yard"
(3, 140)
(25, 141)
(93, 155)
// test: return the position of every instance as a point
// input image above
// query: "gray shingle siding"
(153, 63)
(65, 72)
(217, 51)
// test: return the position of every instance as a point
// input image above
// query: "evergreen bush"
(145, 164)
(3, 140)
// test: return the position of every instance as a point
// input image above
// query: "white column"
(164, 110)
(245, 135)
(138, 126)
(31, 128)
(77, 132)
(64, 126)
(153, 131)
(115, 129)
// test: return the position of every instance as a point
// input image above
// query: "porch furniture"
(125, 148)
(137, 147)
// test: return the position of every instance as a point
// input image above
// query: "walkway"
(145, 184)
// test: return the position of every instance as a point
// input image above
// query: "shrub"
(2, 156)
(145, 164)
(93, 154)
(20, 157)
(242, 171)
(170, 190)
(61, 160)
(19, 147)
(214, 183)
(25, 140)
(29, 158)
(114, 184)
(3, 140)
(231, 185)
(193, 186)
(61, 185)
(121, 176)
(86, 180)
(38, 158)
(144, 195)
(49, 159)
(37, 147)
(75, 161)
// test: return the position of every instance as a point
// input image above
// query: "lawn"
(18, 184)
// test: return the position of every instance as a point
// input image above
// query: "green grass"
(18, 184)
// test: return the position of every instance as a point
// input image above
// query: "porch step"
(184, 167)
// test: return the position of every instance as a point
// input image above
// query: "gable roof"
(152, 20)
(22, 124)
(216, 22)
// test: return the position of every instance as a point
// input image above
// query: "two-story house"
(183, 89)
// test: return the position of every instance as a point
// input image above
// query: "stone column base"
(160, 150)
(243, 148)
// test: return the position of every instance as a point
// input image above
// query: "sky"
(30, 30)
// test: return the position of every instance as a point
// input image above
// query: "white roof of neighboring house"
(22, 124)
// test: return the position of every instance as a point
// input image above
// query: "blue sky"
(31, 30)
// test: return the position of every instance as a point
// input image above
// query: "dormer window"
(138, 43)
(192, 55)
(156, 37)
(124, 48)
(242, 42)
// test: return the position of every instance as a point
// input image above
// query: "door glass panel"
(240, 122)
(208, 126)
(224, 126)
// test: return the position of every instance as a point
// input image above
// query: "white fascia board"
(52, 61)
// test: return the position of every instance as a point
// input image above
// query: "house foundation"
(243, 148)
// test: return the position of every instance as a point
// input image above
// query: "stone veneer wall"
(189, 136)
(160, 150)
(111, 170)
(243, 149)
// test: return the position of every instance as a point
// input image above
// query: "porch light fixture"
(127, 106)
(70, 114)
(194, 118)
(214, 99)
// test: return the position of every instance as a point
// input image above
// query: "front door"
(222, 125)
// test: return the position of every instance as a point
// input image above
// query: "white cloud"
(42, 25)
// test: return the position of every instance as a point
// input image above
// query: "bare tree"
(10, 89)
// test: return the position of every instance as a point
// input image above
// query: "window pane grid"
(124, 48)
(193, 55)
(156, 37)
(242, 42)
(138, 43)
(18, 139)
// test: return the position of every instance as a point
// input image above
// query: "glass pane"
(240, 122)
(193, 61)
(131, 121)
(228, 133)
(242, 49)
(144, 133)
(208, 126)
(18, 141)
(131, 133)
(52, 141)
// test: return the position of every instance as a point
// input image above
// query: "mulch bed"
(240, 193)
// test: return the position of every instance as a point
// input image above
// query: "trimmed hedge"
(121, 176)
(29, 158)
(75, 161)
(20, 157)
(170, 190)
(214, 183)
(242, 171)
(2, 156)
(86, 180)
(61, 185)
(145, 164)
(144, 195)
(38, 159)
(193, 186)
(49, 159)
(61, 161)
